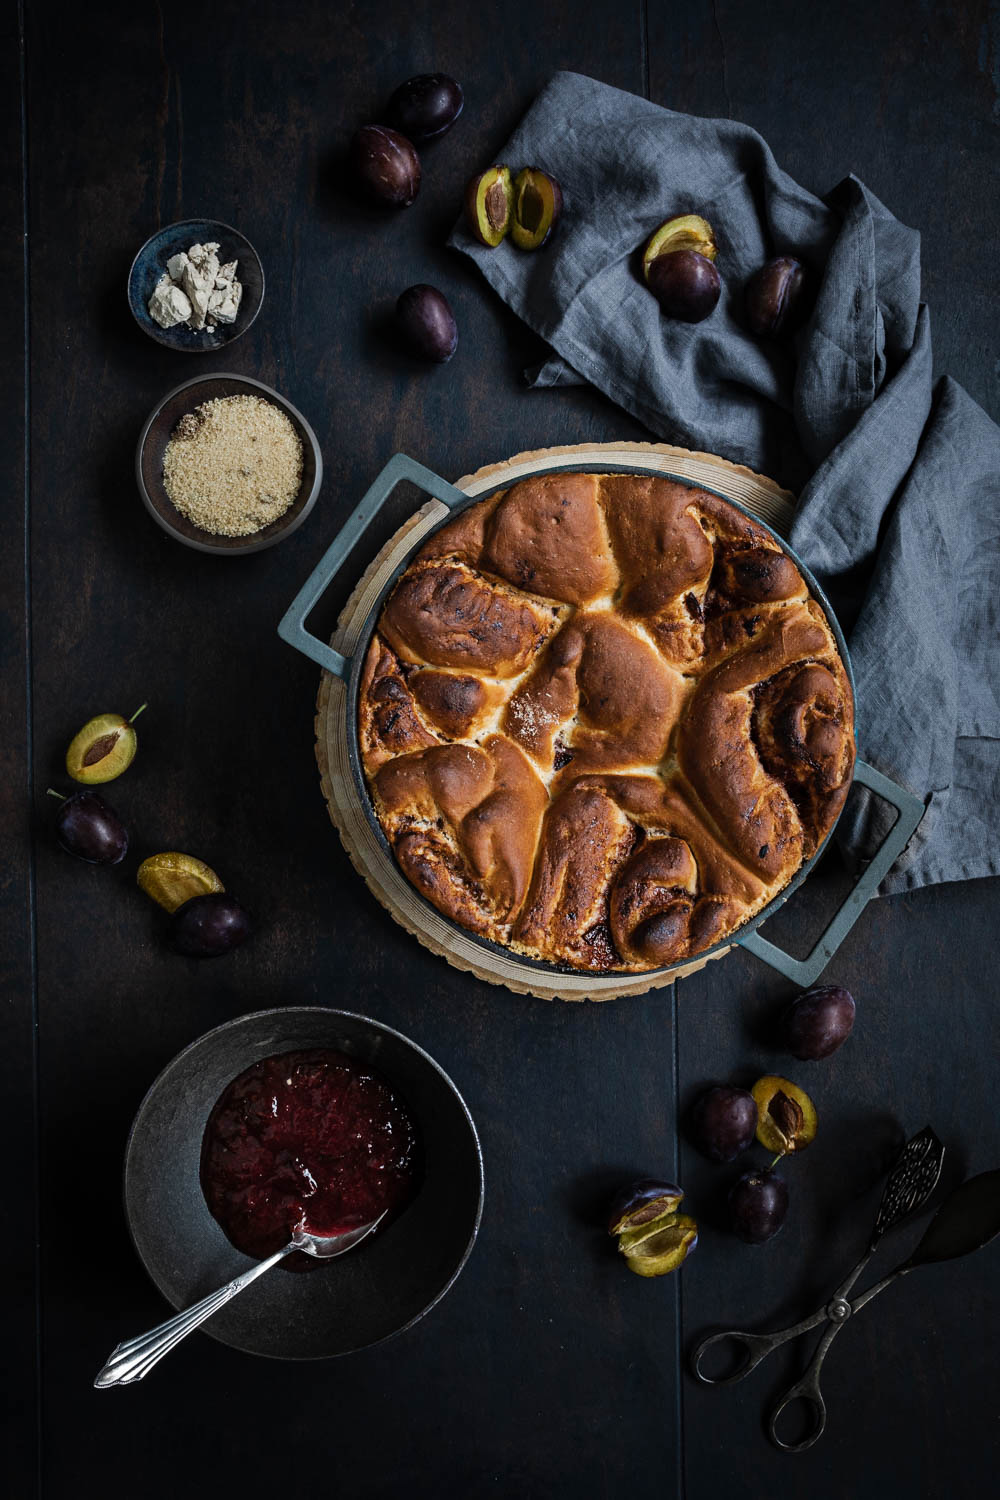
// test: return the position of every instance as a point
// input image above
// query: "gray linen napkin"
(899, 510)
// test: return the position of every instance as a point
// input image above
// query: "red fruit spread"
(313, 1138)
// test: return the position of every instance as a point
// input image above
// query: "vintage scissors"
(967, 1220)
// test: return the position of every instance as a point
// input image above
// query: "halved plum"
(653, 1237)
(172, 878)
(786, 1116)
(103, 748)
(489, 200)
(642, 1203)
(537, 205)
(663, 1250)
(685, 232)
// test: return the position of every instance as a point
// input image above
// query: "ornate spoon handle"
(131, 1360)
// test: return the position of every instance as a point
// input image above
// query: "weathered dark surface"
(17, 1068)
(548, 1371)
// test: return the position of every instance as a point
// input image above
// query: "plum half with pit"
(209, 926)
(643, 1202)
(758, 1203)
(426, 106)
(722, 1122)
(786, 1116)
(103, 748)
(385, 166)
(426, 323)
(89, 829)
(653, 1237)
(818, 1022)
(489, 205)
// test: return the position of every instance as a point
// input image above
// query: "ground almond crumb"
(233, 465)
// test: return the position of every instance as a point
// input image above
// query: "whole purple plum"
(385, 166)
(722, 1122)
(818, 1022)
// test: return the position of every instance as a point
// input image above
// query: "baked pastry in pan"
(602, 720)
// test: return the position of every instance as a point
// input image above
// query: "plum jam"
(313, 1139)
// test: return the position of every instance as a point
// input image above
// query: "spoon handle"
(131, 1360)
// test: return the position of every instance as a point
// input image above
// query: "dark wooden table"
(548, 1371)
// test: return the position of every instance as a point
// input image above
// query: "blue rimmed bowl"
(151, 262)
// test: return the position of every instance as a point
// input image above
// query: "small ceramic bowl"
(151, 262)
(361, 1298)
(153, 443)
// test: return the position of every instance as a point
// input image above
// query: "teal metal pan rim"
(401, 467)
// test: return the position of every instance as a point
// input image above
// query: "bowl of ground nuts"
(225, 464)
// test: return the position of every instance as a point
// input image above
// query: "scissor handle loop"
(807, 1389)
(755, 1346)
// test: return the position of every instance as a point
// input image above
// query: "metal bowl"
(370, 1295)
(151, 262)
(153, 443)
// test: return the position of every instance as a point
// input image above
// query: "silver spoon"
(130, 1361)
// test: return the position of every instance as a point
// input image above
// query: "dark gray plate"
(151, 262)
(153, 442)
(364, 1296)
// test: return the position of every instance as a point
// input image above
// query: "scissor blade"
(911, 1181)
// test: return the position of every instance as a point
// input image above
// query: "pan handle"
(806, 971)
(292, 628)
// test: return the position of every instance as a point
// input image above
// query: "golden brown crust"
(388, 723)
(456, 703)
(446, 615)
(585, 838)
(750, 802)
(625, 699)
(603, 721)
(464, 823)
(548, 536)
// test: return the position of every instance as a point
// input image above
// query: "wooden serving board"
(760, 495)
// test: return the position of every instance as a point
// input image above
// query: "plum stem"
(138, 712)
(50, 793)
(776, 1161)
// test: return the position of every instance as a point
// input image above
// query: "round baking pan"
(371, 851)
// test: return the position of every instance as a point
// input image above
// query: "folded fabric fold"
(899, 510)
